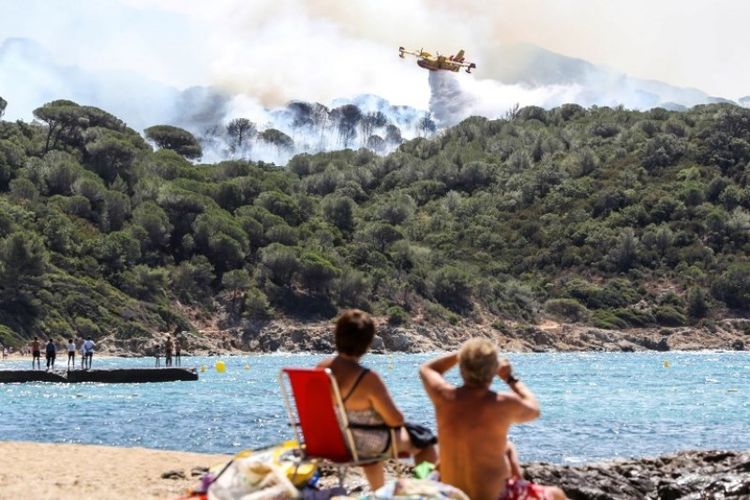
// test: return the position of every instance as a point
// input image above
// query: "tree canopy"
(176, 139)
(602, 216)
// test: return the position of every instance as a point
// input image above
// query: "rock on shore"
(684, 475)
(291, 336)
(548, 336)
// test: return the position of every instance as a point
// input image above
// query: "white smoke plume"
(199, 65)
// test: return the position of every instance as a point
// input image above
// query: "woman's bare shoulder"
(326, 363)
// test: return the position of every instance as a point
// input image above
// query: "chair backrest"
(316, 398)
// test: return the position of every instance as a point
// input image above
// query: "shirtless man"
(473, 423)
(36, 354)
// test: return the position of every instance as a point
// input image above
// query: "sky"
(277, 50)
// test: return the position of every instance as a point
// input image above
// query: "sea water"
(594, 405)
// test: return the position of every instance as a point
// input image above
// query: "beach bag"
(274, 472)
(250, 479)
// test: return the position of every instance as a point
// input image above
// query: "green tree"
(118, 251)
(339, 211)
(277, 138)
(191, 280)
(733, 286)
(625, 253)
(62, 117)
(280, 262)
(235, 282)
(697, 302)
(452, 288)
(111, 154)
(240, 130)
(23, 264)
(380, 235)
(153, 219)
(179, 140)
(316, 272)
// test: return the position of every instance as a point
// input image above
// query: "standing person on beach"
(71, 353)
(168, 352)
(51, 353)
(473, 423)
(177, 352)
(36, 354)
(82, 351)
(157, 355)
(88, 349)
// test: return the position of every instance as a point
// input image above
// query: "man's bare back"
(473, 423)
(472, 443)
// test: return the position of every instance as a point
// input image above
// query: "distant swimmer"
(36, 354)
(51, 353)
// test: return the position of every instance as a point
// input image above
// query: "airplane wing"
(468, 66)
(402, 51)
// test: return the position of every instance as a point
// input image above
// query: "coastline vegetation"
(599, 216)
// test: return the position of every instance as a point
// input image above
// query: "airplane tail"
(459, 57)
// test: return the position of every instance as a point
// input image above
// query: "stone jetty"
(112, 376)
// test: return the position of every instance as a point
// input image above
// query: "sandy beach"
(69, 471)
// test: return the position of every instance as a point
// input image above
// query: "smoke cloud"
(199, 65)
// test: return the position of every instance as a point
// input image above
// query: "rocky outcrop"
(290, 336)
(688, 475)
(317, 337)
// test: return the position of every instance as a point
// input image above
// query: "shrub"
(568, 309)
(452, 288)
(733, 286)
(256, 304)
(397, 315)
(604, 318)
(697, 302)
(634, 317)
(86, 328)
(667, 315)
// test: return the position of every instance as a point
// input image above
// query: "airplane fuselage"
(435, 65)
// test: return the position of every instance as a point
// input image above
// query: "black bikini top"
(361, 375)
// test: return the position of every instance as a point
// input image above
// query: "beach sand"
(71, 471)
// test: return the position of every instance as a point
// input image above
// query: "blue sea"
(594, 405)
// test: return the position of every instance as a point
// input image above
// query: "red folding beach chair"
(320, 423)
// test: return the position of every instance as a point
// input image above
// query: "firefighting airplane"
(434, 63)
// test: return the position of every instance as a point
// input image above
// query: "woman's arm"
(432, 376)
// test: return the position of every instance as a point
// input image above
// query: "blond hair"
(478, 361)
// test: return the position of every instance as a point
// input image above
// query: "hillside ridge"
(598, 217)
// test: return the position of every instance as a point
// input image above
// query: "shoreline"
(32, 470)
(284, 336)
(241, 354)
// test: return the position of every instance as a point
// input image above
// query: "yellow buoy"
(203, 368)
(220, 367)
(247, 367)
(666, 363)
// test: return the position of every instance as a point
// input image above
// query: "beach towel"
(520, 489)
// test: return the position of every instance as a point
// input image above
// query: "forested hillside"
(602, 216)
